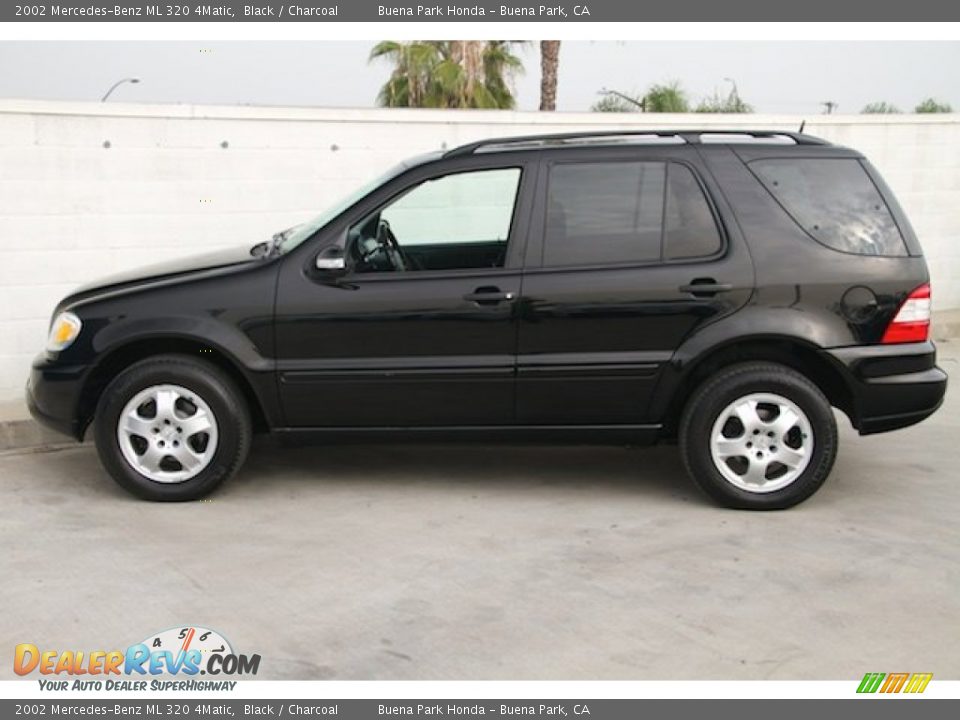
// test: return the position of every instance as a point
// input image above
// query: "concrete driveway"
(401, 562)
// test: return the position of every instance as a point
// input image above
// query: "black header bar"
(207, 706)
(328, 11)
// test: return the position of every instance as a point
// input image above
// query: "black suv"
(721, 289)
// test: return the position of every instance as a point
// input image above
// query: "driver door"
(421, 330)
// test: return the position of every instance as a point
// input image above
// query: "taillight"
(912, 321)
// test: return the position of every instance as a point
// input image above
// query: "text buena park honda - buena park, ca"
(438, 709)
(481, 11)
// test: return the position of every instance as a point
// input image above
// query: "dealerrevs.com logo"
(185, 651)
(889, 683)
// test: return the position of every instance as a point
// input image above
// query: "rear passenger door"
(631, 250)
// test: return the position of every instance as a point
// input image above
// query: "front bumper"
(893, 386)
(53, 395)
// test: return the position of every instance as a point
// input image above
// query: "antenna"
(803, 124)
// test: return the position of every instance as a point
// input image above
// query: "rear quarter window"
(835, 202)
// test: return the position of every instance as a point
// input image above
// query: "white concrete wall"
(72, 209)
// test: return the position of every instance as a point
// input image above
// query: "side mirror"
(331, 260)
(331, 264)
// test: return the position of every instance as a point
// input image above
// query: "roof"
(607, 137)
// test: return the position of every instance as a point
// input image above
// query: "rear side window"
(626, 212)
(835, 201)
(599, 213)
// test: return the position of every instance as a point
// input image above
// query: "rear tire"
(758, 436)
(172, 428)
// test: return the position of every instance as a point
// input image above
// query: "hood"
(170, 269)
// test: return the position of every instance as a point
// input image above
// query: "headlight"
(64, 330)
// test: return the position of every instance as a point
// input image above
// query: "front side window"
(626, 212)
(294, 236)
(455, 222)
(835, 201)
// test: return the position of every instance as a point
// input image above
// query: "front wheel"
(758, 436)
(172, 428)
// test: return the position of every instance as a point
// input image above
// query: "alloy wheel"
(761, 442)
(167, 433)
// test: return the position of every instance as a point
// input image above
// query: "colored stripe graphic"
(918, 682)
(894, 682)
(870, 682)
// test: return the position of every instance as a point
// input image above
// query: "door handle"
(489, 296)
(705, 287)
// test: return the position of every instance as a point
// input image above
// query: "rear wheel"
(172, 428)
(758, 436)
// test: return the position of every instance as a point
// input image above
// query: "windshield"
(289, 239)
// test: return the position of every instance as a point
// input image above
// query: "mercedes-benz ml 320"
(722, 290)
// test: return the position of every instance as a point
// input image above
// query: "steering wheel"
(388, 241)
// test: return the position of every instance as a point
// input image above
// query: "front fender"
(221, 337)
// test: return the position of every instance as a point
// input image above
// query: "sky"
(777, 77)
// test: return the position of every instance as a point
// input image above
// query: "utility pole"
(829, 106)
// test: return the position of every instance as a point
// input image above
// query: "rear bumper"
(893, 386)
(53, 396)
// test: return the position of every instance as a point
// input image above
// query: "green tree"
(449, 74)
(612, 103)
(666, 98)
(615, 101)
(413, 64)
(879, 108)
(500, 67)
(931, 105)
(658, 98)
(717, 103)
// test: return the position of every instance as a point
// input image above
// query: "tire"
(758, 436)
(172, 404)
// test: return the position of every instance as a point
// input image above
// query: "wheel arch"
(134, 350)
(684, 376)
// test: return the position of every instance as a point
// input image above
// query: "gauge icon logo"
(184, 639)
(193, 649)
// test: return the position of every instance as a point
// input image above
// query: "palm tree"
(500, 66)
(448, 74)
(549, 64)
(413, 64)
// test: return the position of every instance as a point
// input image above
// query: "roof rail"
(689, 136)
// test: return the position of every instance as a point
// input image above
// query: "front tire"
(172, 428)
(758, 436)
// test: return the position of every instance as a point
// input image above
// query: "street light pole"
(633, 101)
(733, 86)
(118, 83)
